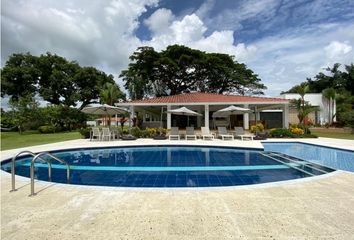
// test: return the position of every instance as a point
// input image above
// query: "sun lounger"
(190, 134)
(206, 134)
(240, 132)
(222, 132)
(174, 134)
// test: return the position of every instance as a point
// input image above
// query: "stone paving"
(313, 208)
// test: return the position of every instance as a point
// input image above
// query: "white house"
(153, 111)
(315, 99)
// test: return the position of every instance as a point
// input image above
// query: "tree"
(343, 84)
(179, 69)
(19, 76)
(52, 77)
(25, 113)
(303, 107)
(330, 94)
(89, 81)
(110, 93)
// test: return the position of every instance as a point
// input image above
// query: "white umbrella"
(103, 109)
(231, 110)
(184, 111)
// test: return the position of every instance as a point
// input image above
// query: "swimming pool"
(171, 166)
(331, 157)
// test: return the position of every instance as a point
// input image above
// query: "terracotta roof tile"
(198, 97)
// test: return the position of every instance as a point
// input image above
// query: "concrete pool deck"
(312, 208)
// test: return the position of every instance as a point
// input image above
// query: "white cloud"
(336, 49)
(190, 31)
(103, 34)
(160, 21)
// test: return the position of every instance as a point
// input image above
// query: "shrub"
(47, 129)
(259, 127)
(297, 131)
(280, 132)
(85, 132)
(150, 132)
(136, 132)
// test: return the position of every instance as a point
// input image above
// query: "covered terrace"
(153, 111)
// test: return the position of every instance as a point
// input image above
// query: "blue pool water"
(330, 157)
(172, 166)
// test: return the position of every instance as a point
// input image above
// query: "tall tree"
(19, 76)
(52, 77)
(179, 69)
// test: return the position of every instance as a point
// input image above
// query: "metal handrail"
(52, 156)
(13, 184)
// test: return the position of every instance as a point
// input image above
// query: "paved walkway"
(312, 208)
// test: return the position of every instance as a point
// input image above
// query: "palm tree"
(109, 94)
(303, 108)
(330, 94)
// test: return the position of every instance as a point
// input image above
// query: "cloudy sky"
(283, 41)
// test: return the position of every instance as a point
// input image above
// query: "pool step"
(302, 165)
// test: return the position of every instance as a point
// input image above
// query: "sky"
(283, 41)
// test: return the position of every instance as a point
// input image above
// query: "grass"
(349, 136)
(11, 140)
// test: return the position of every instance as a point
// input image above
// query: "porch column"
(144, 116)
(206, 117)
(286, 116)
(131, 117)
(168, 117)
(246, 119)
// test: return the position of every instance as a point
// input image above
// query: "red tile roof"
(198, 97)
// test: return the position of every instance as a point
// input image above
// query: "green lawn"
(10, 140)
(335, 135)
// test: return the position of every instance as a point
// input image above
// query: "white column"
(144, 116)
(168, 117)
(131, 115)
(206, 117)
(286, 116)
(199, 119)
(246, 118)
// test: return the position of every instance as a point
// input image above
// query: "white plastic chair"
(106, 133)
(95, 132)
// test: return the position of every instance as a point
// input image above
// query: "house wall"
(315, 99)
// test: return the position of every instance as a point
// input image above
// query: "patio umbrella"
(184, 111)
(103, 109)
(231, 110)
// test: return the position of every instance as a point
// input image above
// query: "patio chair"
(240, 132)
(222, 132)
(206, 133)
(95, 132)
(106, 133)
(190, 135)
(174, 134)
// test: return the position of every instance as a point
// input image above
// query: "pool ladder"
(37, 157)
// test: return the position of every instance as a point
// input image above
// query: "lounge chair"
(222, 132)
(240, 132)
(190, 134)
(174, 134)
(206, 133)
(106, 133)
(95, 132)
